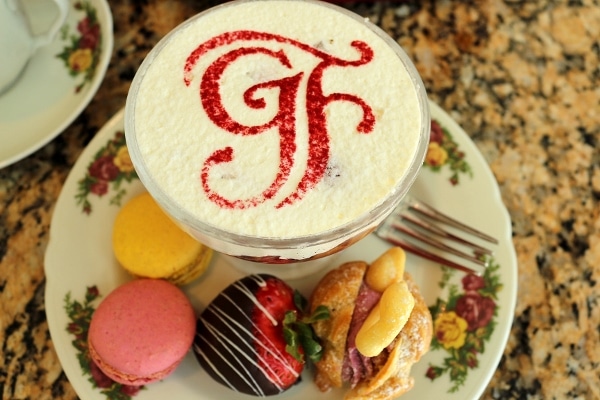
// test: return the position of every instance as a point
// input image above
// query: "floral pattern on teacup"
(464, 322)
(80, 316)
(110, 167)
(81, 53)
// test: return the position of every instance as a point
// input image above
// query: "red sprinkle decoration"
(284, 120)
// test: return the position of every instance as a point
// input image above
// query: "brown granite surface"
(521, 77)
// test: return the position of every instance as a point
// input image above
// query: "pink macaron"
(141, 331)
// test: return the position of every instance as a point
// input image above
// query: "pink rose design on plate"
(90, 34)
(473, 282)
(443, 152)
(82, 48)
(436, 135)
(476, 310)
(99, 188)
(104, 168)
(107, 173)
(463, 323)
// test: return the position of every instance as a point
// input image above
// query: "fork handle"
(431, 257)
(425, 209)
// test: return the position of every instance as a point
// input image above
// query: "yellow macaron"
(148, 244)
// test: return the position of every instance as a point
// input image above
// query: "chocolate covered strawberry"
(254, 338)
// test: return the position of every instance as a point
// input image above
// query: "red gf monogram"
(284, 120)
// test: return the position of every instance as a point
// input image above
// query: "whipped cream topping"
(276, 118)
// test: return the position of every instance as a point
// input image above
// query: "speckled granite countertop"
(521, 77)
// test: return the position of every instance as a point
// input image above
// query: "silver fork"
(423, 223)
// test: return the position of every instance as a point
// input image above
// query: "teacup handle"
(46, 38)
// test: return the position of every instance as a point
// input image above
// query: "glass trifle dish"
(277, 131)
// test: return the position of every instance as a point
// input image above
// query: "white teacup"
(18, 43)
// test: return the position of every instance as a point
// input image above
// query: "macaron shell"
(125, 379)
(142, 330)
(148, 244)
(196, 269)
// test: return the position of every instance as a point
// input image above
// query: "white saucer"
(79, 260)
(48, 98)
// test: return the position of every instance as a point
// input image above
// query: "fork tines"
(421, 223)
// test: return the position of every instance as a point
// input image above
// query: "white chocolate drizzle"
(227, 340)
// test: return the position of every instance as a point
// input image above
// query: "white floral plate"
(472, 315)
(58, 83)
